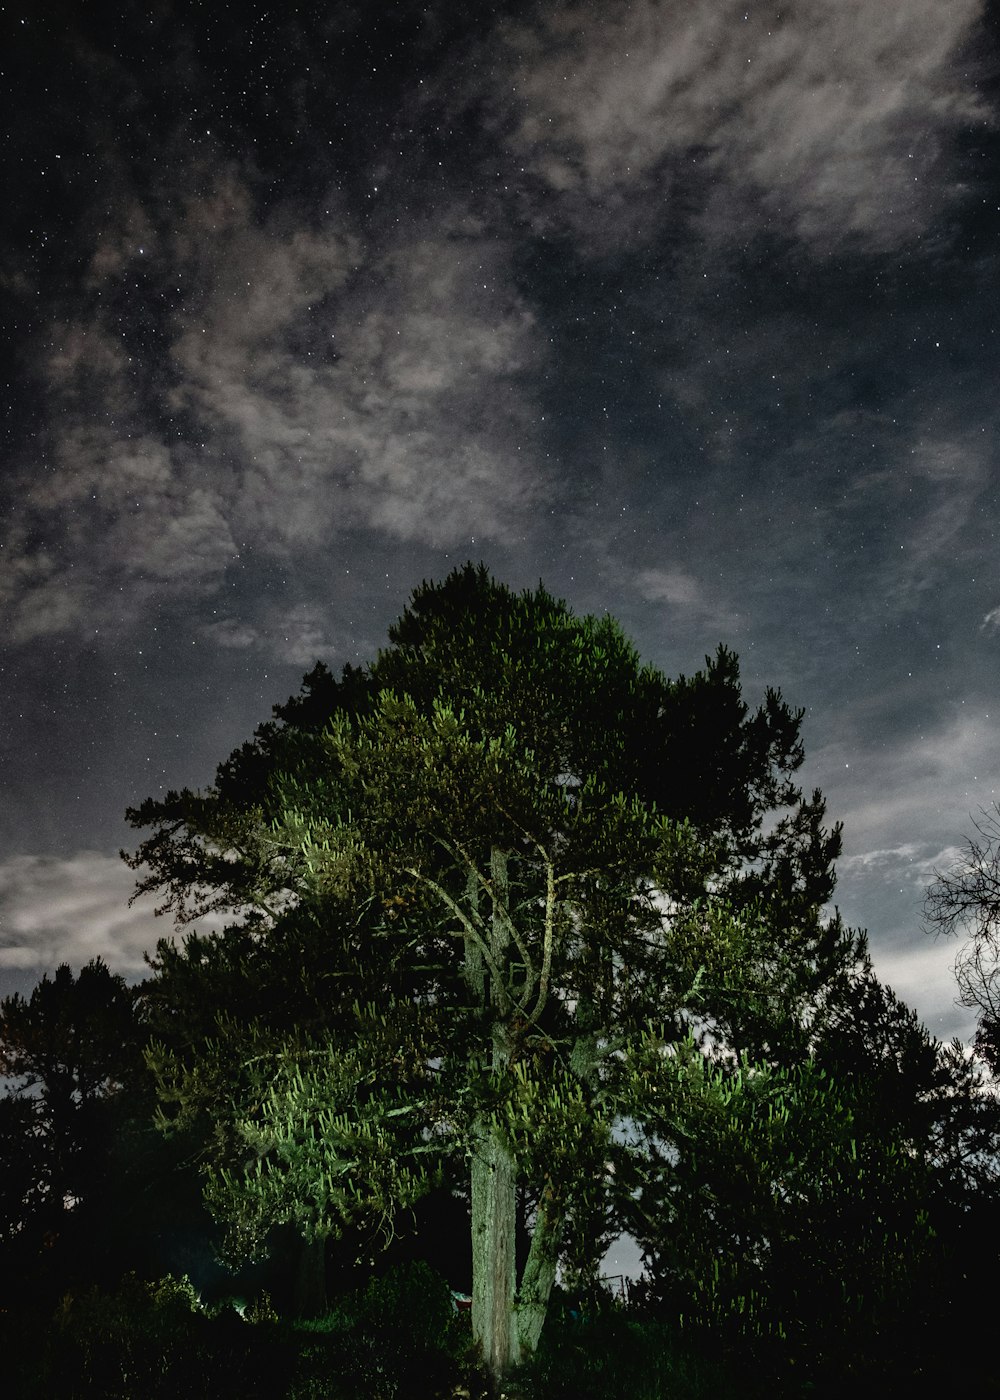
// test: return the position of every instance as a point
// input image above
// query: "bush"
(399, 1335)
(608, 1353)
(141, 1339)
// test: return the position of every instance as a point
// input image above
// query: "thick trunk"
(506, 1325)
(494, 1171)
(494, 1266)
(507, 1322)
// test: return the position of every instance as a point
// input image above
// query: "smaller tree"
(966, 899)
(770, 1218)
(810, 1212)
(72, 1052)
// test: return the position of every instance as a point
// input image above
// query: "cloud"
(927, 781)
(924, 978)
(906, 497)
(394, 402)
(115, 523)
(909, 862)
(70, 910)
(684, 595)
(905, 805)
(991, 621)
(299, 384)
(832, 120)
(299, 636)
(887, 886)
(944, 476)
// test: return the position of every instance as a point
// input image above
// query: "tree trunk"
(506, 1325)
(494, 1265)
(539, 1274)
(494, 1171)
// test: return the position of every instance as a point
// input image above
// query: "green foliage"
(500, 892)
(613, 1353)
(328, 1144)
(781, 1219)
(398, 1335)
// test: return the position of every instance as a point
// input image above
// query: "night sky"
(686, 308)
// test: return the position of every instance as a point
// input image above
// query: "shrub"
(608, 1353)
(397, 1336)
(142, 1339)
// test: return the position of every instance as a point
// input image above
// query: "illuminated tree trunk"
(506, 1322)
(494, 1265)
(539, 1274)
(494, 1171)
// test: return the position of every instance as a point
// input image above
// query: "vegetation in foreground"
(399, 1337)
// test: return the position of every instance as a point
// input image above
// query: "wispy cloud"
(364, 389)
(886, 886)
(300, 635)
(301, 384)
(112, 523)
(927, 781)
(924, 978)
(913, 862)
(685, 596)
(830, 120)
(906, 807)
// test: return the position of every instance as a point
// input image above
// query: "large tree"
(527, 850)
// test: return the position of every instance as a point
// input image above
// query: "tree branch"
(458, 853)
(547, 937)
(470, 929)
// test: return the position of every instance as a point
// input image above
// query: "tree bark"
(539, 1274)
(494, 1171)
(505, 1323)
(494, 1265)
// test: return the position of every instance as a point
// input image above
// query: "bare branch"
(966, 899)
(547, 939)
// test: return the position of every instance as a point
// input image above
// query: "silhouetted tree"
(73, 1053)
(806, 1212)
(966, 899)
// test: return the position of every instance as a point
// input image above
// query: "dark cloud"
(306, 385)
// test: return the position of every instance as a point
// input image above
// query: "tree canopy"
(500, 893)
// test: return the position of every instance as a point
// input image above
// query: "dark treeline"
(526, 947)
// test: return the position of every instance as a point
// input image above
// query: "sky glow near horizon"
(687, 310)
